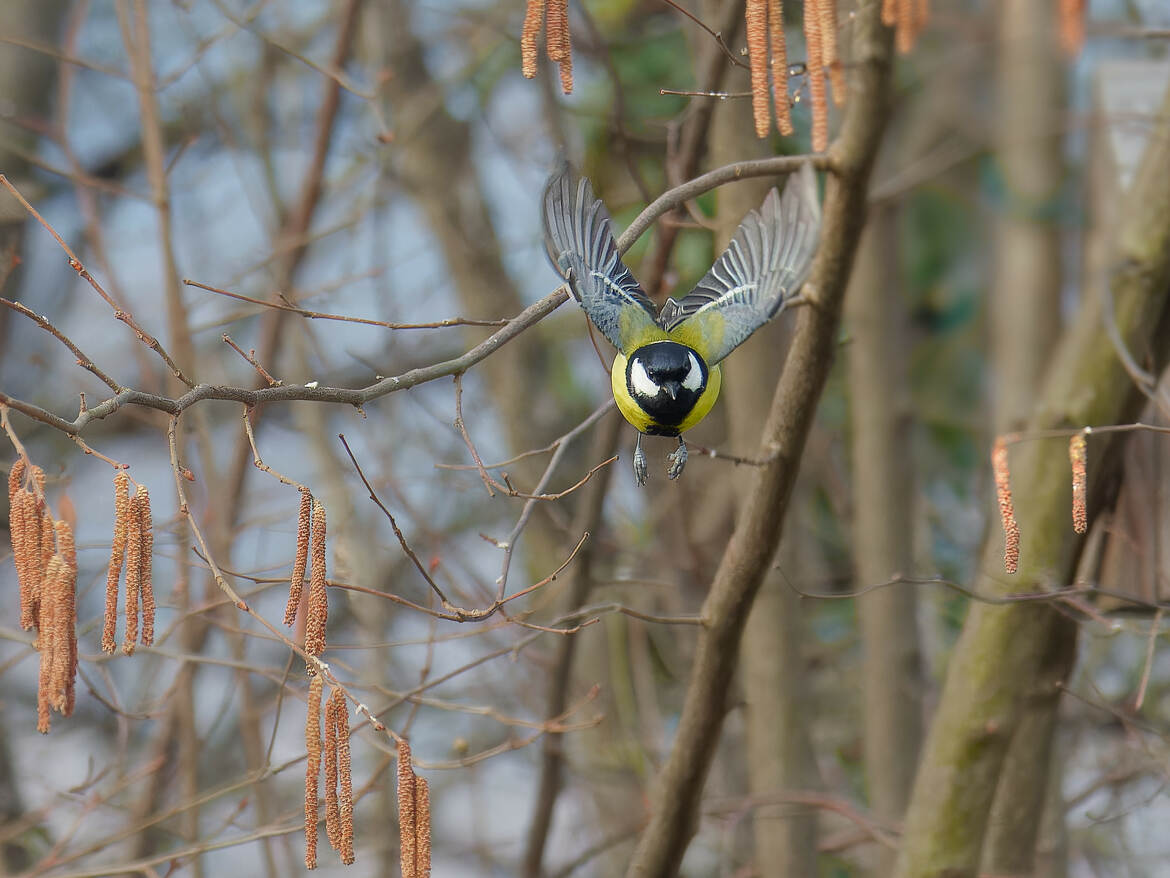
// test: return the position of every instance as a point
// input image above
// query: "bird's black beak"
(672, 388)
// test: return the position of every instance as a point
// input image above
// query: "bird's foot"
(640, 469)
(678, 460)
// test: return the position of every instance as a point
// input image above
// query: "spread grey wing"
(579, 240)
(759, 272)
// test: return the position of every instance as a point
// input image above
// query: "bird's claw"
(678, 460)
(641, 472)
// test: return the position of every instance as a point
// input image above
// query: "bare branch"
(285, 305)
(82, 359)
(676, 802)
(75, 263)
(250, 356)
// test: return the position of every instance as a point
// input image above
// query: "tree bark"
(1025, 304)
(27, 79)
(779, 753)
(1002, 647)
(891, 676)
(1025, 310)
(749, 553)
(559, 687)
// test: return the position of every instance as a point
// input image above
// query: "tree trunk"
(891, 675)
(1002, 648)
(779, 753)
(1025, 304)
(1025, 308)
(749, 553)
(27, 80)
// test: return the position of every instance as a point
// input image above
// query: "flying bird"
(666, 375)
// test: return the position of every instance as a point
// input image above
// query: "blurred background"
(383, 160)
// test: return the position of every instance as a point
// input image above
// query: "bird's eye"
(643, 382)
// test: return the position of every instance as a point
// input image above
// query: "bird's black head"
(666, 379)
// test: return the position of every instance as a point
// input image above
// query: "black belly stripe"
(667, 413)
(656, 430)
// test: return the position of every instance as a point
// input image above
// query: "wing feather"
(759, 272)
(579, 239)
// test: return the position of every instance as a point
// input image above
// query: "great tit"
(666, 374)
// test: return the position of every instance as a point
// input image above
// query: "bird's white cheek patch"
(640, 383)
(694, 379)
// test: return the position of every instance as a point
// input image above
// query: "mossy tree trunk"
(1000, 658)
(1025, 324)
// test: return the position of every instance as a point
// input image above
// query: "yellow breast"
(634, 413)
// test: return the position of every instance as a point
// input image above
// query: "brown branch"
(527, 318)
(286, 393)
(676, 196)
(262, 466)
(1071, 595)
(506, 488)
(872, 827)
(250, 356)
(534, 452)
(81, 443)
(748, 556)
(1148, 663)
(75, 263)
(717, 36)
(83, 360)
(558, 686)
(451, 611)
(321, 315)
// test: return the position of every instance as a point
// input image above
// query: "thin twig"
(333, 71)
(1070, 595)
(294, 392)
(506, 488)
(731, 458)
(488, 482)
(75, 263)
(883, 835)
(534, 452)
(6, 426)
(1148, 665)
(527, 318)
(261, 465)
(81, 443)
(715, 35)
(674, 197)
(435, 587)
(250, 356)
(321, 315)
(450, 611)
(82, 359)
(721, 95)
